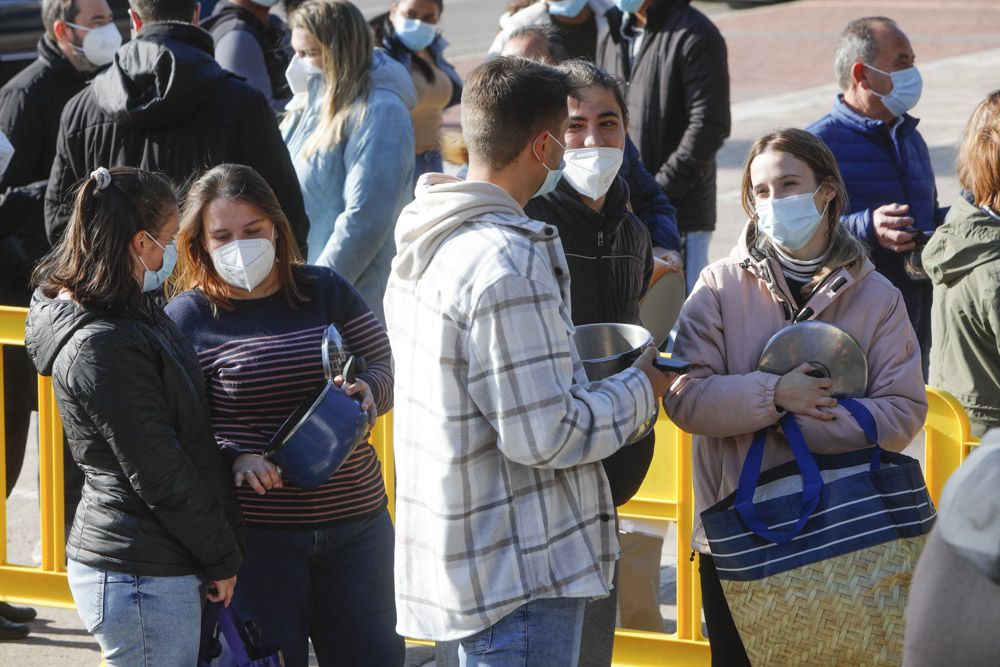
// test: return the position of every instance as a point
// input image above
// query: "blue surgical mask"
(415, 35)
(791, 222)
(629, 6)
(552, 178)
(153, 279)
(906, 88)
(567, 8)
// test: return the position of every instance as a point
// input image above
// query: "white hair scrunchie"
(102, 177)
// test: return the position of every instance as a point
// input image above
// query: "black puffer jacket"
(157, 500)
(166, 105)
(610, 258)
(677, 92)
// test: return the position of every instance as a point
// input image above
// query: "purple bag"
(228, 642)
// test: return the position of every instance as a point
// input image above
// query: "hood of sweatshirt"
(442, 204)
(969, 237)
(160, 76)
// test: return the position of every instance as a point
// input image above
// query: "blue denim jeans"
(695, 246)
(541, 633)
(333, 585)
(139, 621)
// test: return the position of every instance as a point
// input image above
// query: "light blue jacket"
(354, 191)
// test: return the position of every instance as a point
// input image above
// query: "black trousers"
(727, 647)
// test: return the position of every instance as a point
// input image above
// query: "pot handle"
(332, 339)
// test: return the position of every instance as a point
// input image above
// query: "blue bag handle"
(812, 481)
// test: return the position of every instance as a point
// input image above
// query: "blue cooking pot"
(325, 429)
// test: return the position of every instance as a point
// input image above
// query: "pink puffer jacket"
(735, 308)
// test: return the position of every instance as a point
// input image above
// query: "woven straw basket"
(846, 610)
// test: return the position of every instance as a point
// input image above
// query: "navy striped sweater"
(260, 361)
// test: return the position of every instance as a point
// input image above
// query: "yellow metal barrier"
(665, 495)
(45, 584)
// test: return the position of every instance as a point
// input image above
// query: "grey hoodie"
(963, 261)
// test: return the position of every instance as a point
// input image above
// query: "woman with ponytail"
(158, 521)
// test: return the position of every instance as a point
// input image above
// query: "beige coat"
(736, 306)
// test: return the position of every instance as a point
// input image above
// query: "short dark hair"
(857, 43)
(155, 11)
(57, 10)
(93, 260)
(585, 74)
(506, 102)
(554, 42)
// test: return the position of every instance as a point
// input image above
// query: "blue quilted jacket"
(880, 165)
(884, 164)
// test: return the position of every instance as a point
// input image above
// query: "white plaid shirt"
(500, 494)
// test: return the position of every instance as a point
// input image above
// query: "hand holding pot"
(660, 380)
(802, 394)
(256, 471)
(360, 387)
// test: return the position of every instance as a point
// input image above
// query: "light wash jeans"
(541, 633)
(139, 621)
(695, 246)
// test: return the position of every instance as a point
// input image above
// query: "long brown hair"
(845, 250)
(347, 47)
(979, 154)
(195, 269)
(94, 260)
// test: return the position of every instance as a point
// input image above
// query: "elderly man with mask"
(884, 160)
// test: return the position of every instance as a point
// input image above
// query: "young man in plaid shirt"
(504, 518)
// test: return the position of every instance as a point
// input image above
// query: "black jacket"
(30, 106)
(158, 500)
(166, 105)
(610, 259)
(677, 93)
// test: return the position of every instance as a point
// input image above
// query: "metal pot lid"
(832, 351)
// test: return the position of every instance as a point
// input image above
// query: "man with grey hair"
(884, 161)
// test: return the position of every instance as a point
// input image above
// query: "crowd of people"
(188, 212)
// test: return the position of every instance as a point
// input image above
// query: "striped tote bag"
(816, 556)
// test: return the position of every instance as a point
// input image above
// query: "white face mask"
(591, 171)
(245, 263)
(298, 73)
(99, 44)
(791, 221)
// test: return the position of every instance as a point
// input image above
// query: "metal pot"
(325, 428)
(609, 348)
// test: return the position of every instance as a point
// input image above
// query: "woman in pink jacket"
(793, 262)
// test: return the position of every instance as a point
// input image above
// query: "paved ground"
(781, 76)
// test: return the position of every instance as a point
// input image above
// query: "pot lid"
(832, 352)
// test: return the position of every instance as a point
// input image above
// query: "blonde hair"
(845, 250)
(346, 45)
(978, 163)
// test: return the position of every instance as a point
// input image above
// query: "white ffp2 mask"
(591, 171)
(244, 263)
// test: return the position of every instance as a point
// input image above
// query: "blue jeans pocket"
(87, 585)
(479, 643)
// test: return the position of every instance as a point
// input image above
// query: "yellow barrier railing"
(665, 495)
(45, 584)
